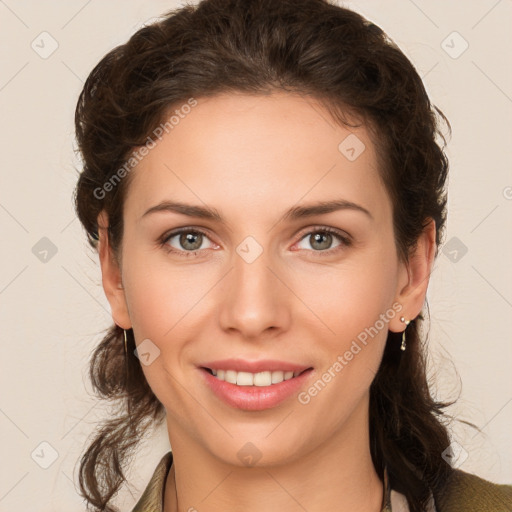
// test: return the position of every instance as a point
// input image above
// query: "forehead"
(255, 152)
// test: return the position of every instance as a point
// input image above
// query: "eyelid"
(317, 228)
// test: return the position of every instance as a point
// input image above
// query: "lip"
(241, 365)
(255, 398)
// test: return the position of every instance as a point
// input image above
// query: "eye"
(321, 239)
(190, 240)
(187, 242)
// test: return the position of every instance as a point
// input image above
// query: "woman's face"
(261, 281)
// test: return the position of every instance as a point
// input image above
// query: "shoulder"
(466, 492)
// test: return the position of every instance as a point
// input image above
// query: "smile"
(255, 391)
(264, 378)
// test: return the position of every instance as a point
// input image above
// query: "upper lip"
(241, 365)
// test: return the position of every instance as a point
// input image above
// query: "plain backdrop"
(52, 305)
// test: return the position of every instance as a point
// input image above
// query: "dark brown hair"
(308, 47)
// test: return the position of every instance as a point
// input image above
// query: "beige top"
(153, 497)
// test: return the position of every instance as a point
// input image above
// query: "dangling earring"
(407, 322)
(125, 344)
(128, 373)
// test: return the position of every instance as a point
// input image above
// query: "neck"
(337, 475)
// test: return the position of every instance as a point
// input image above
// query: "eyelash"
(344, 239)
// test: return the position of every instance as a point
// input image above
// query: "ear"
(111, 275)
(414, 277)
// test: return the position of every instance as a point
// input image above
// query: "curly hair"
(310, 47)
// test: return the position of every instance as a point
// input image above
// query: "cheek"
(159, 295)
(351, 296)
(356, 306)
(168, 305)
(354, 302)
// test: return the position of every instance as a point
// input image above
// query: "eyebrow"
(294, 213)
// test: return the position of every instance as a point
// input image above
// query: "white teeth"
(244, 379)
(230, 376)
(254, 379)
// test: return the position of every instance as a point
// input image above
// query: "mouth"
(270, 384)
(259, 379)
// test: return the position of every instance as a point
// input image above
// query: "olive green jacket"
(464, 492)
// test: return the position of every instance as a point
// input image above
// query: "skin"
(252, 158)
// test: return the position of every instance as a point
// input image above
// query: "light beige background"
(52, 312)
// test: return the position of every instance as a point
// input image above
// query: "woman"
(266, 193)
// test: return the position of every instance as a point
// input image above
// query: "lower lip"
(255, 398)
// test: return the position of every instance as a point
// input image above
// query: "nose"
(254, 301)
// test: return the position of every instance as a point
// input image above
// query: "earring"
(407, 322)
(128, 377)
